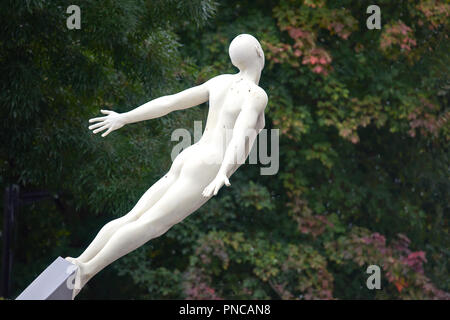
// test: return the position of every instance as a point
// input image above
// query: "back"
(228, 94)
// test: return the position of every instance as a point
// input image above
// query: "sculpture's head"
(245, 51)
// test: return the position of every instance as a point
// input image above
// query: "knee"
(113, 225)
(147, 229)
(155, 227)
(119, 222)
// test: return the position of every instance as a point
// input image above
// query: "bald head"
(246, 52)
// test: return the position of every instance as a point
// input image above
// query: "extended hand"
(215, 185)
(112, 121)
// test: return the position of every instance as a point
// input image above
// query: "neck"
(251, 74)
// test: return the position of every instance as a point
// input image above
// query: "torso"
(228, 94)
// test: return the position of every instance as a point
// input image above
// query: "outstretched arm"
(154, 109)
(164, 105)
(245, 130)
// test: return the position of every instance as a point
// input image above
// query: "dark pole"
(11, 197)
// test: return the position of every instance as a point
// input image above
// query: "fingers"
(107, 132)
(97, 119)
(101, 118)
(207, 192)
(214, 187)
(97, 125)
(100, 129)
(216, 190)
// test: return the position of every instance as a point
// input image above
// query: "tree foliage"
(363, 116)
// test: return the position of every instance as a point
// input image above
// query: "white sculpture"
(236, 103)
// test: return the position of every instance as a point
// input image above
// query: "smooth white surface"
(236, 104)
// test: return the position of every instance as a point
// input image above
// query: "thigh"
(184, 196)
(158, 189)
(179, 201)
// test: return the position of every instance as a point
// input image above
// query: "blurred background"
(364, 147)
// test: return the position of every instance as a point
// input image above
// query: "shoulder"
(220, 78)
(260, 94)
(259, 97)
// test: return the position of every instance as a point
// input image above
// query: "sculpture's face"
(245, 51)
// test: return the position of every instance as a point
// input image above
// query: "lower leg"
(150, 197)
(181, 199)
(100, 239)
(128, 238)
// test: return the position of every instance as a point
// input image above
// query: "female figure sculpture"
(236, 103)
